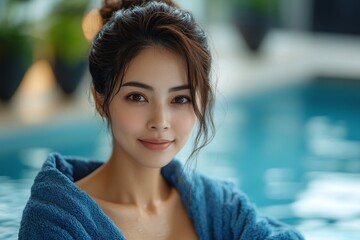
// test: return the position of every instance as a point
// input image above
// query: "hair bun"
(108, 8)
(111, 6)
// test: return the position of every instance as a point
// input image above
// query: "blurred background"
(287, 110)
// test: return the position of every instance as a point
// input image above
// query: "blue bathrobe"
(58, 209)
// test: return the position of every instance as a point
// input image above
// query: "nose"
(159, 120)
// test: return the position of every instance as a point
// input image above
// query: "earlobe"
(99, 101)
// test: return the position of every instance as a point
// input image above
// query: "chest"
(172, 222)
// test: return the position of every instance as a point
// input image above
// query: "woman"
(150, 67)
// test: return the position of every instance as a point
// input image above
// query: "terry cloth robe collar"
(59, 209)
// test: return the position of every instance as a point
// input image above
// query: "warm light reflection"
(92, 22)
(35, 93)
(38, 80)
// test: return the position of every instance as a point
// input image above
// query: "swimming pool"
(294, 150)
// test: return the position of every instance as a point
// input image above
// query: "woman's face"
(152, 114)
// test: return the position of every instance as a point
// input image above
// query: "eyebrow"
(147, 87)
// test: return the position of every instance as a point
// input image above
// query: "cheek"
(185, 123)
(125, 121)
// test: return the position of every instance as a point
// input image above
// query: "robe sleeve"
(222, 211)
(246, 223)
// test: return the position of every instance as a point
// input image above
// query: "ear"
(99, 101)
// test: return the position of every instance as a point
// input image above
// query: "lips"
(156, 144)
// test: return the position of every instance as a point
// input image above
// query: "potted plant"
(253, 18)
(68, 44)
(16, 47)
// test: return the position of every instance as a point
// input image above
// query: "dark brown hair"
(131, 26)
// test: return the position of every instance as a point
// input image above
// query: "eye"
(181, 100)
(136, 97)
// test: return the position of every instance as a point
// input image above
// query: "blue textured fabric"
(58, 209)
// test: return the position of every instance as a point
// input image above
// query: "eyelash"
(188, 100)
(131, 98)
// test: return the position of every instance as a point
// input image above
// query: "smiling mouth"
(156, 144)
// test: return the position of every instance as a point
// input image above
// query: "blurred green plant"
(65, 35)
(67, 43)
(264, 7)
(16, 45)
(15, 31)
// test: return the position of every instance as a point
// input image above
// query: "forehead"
(157, 66)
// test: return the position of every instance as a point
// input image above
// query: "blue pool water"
(294, 150)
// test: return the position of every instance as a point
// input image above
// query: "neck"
(131, 183)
